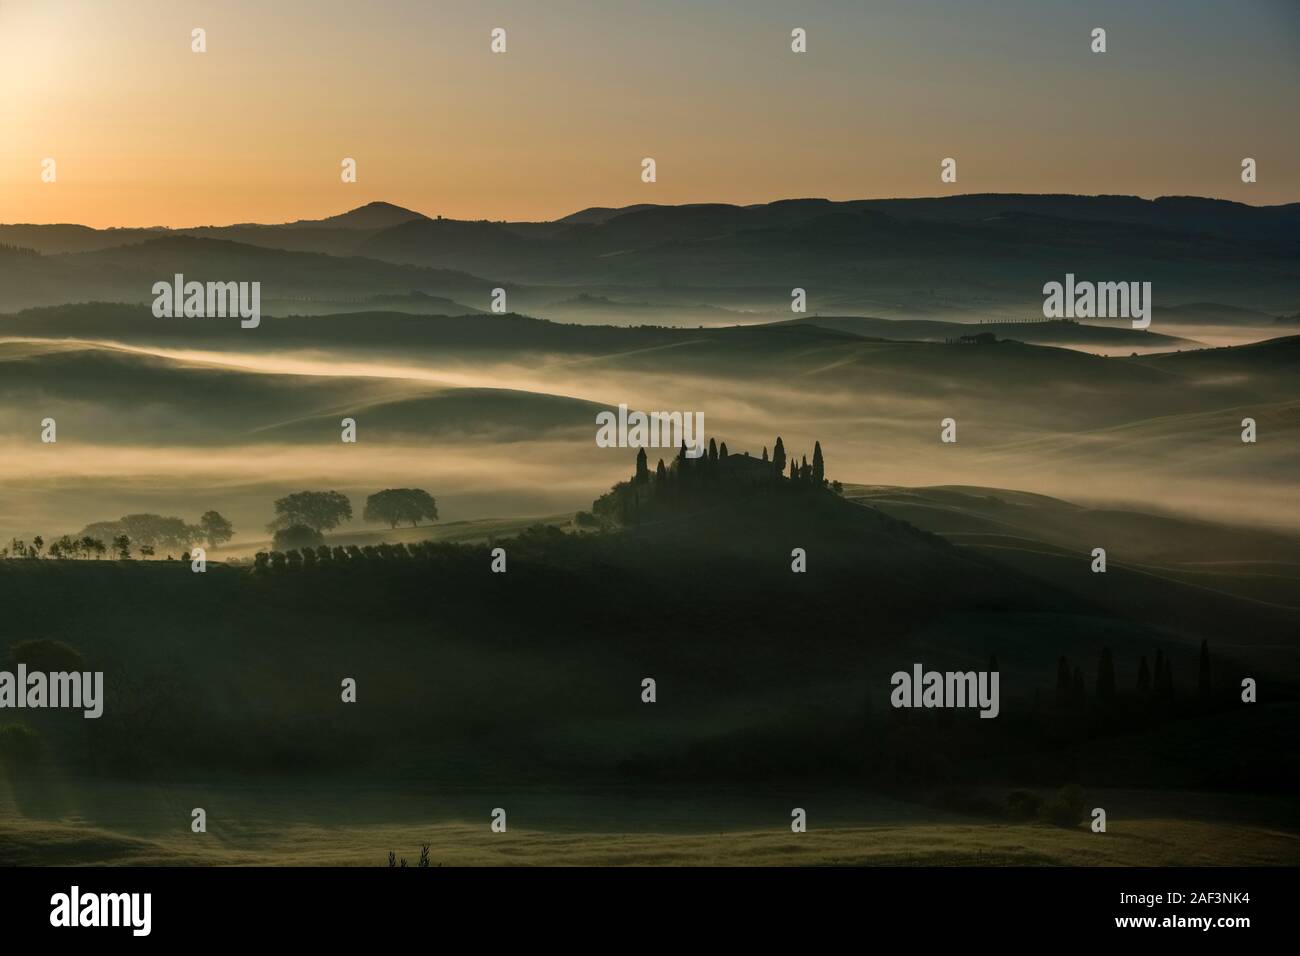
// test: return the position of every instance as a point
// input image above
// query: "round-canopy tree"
(216, 529)
(296, 537)
(321, 510)
(395, 505)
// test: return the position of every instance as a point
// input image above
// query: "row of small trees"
(703, 481)
(300, 519)
(146, 533)
(321, 555)
(1157, 682)
(813, 473)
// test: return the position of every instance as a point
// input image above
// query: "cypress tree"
(722, 452)
(642, 471)
(713, 451)
(778, 457)
(765, 453)
(819, 466)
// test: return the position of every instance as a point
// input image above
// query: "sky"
(145, 132)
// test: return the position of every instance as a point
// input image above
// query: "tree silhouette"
(1062, 680)
(778, 457)
(122, 545)
(1165, 679)
(321, 510)
(154, 530)
(722, 452)
(395, 505)
(819, 466)
(642, 469)
(297, 536)
(216, 529)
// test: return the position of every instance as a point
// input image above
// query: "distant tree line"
(1152, 680)
(145, 533)
(300, 520)
(324, 555)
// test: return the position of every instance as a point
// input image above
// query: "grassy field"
(324, 823)
(1155, 842)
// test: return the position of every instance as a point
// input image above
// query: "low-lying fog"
(880, 437)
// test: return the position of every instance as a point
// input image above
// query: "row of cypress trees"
(1158, 683)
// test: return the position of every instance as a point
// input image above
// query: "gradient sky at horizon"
(146, 132)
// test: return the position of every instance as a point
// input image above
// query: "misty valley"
(943, 572)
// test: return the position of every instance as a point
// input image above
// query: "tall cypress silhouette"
(819, 466)
(642, 470)
(778, 457)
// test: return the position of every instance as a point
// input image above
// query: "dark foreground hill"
(762, 674)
